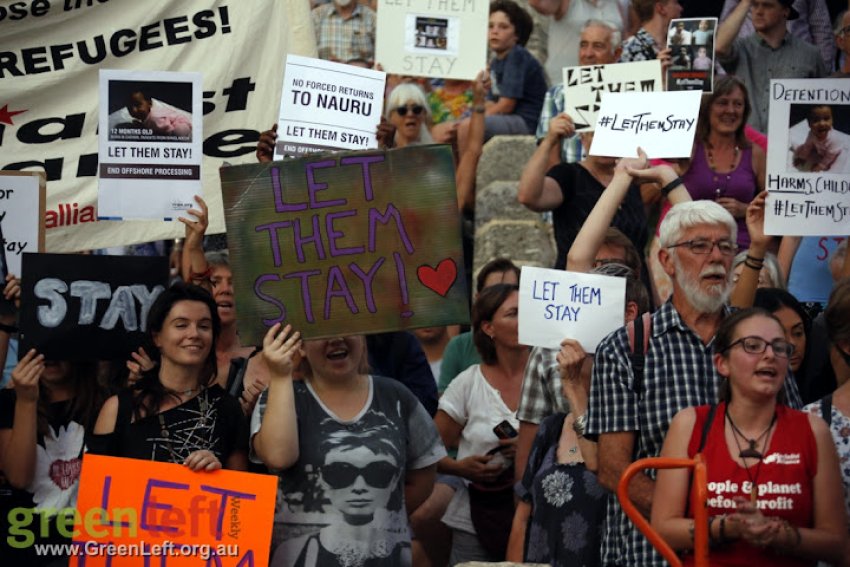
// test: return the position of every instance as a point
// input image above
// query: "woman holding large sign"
(354, 454)
(175, 412)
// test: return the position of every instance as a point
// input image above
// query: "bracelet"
(672, 185)
(753, 266)
(480, 109)
(11, 329)
(580, 425)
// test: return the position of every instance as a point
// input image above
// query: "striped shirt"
(679, 373)
(339, 39)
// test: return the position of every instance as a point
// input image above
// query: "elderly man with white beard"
(630, 411)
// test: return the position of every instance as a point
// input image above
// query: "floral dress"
(567, 504)
(840, 428)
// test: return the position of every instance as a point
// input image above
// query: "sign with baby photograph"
(81, 307)
(555, 305)
(327, 105)
(808, 158)
(150, 144)
(22, 204)
(432, 38)
(691, 44)
(355, 242)
(662, 123)
(156, 513)
(584, 85)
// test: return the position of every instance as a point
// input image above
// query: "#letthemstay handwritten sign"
(346, 243)
(662, 123)
(554, 305)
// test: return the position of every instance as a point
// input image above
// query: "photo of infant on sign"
(150, 111)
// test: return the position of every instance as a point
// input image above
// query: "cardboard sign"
(132, 512)
(432, 38)
(150, 149)
(691, 43)
(327, 105)
(663, 124)
(583, 87)
(22, 205)
(346, 243)
(554, 305)
(76, 307)
(808, 158)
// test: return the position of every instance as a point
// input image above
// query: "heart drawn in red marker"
(439, 280)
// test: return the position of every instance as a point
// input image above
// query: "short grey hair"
(616, 32)
(771, 267)
(217, 258)
(693, 213)
(410, 92)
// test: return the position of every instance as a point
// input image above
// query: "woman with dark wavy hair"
(175, 412)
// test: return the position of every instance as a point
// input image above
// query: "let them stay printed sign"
(354, 242)
(554, 305)
(327, 105)
(432, 38)
(662, 123)
(77, 307)
(584, 86)
(807, 165)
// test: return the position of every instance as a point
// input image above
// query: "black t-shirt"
(581, 191)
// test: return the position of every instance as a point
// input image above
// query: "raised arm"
(744, 292)
(571, 359)
(728, 29)
(194, 265)
(276, 443)
(17, 445)
(468, 163)
(537, 191)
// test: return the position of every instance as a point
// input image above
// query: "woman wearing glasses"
(354, 454)
(773, 476)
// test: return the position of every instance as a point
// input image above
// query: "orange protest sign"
(132, 512)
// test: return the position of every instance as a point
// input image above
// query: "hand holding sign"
(282, 350)
(202, 460)
(26, 375)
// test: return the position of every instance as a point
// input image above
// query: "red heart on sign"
(438, 280)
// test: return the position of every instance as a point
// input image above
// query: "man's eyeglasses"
(340, 475)
(757, 345)
(843, 31)
(726, 247)
(415, 109)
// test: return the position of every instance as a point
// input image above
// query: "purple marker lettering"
(365, 162)
(376, 216)
(334, 234)
(279, 205)
(314, 187)
(258, 283)
(273, 227)
(224, 493)
(247, 559)
(402, 283)
(148, 503)
(305, 290)
(315, 238)
(367, 278)
(338, 287)
(104, 504)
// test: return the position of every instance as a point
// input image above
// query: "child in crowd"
(821, 148)
(163, 119)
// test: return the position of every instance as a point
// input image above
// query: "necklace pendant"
(754, 494)
(750, 453)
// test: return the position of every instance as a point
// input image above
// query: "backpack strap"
(706, 427)
(826, 409)
(639, 335)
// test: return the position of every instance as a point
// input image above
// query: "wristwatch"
(580, 425)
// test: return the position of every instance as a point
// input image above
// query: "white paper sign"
(554, 305)
(150, 144)
(662, 123)
(22, 196)
(432, 38)
(584, 86)
(327, 105)
(808, 158)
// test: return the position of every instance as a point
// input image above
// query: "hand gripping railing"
(699, 495)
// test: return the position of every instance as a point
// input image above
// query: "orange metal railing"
(699, 495)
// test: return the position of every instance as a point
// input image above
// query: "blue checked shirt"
(678, 373)
(553, 105)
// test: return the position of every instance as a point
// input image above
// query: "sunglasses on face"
(340, 475)
(415, 109)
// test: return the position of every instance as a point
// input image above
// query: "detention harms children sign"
(584, 85)
(22, 205)
(327, 105)
(432, 38)
(808, 158)
(150, 144)
(76, 307)
(554, 305)
(345, 243)
(165, 514)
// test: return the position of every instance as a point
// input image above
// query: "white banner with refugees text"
(50, 55)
